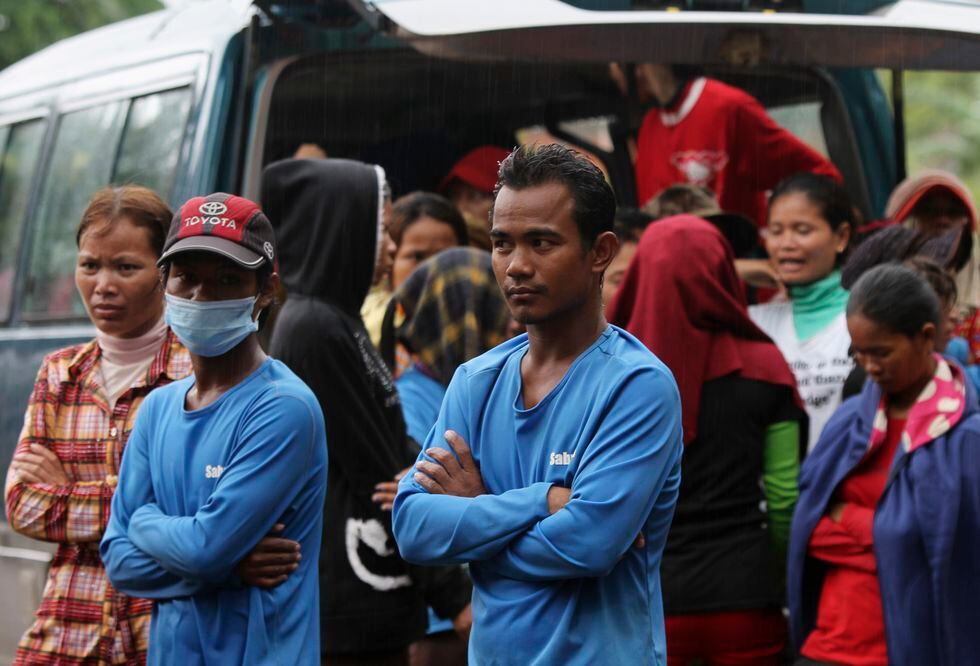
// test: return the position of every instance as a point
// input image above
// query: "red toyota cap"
(477, 168)
(225, 224)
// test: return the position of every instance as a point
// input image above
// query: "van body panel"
(910, 34)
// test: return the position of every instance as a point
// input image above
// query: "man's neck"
(564, 338)
(665, 86)
(213, 376)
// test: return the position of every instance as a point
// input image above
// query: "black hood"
(325, 214)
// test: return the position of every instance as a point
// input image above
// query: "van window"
(804, 121)
(81, 163)
(20, 148)
(151, 142)
(124, 142)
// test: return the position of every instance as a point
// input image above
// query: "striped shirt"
(82, 619)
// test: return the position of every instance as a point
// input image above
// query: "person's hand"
(456, 475)
(836, 511)
(558, 498)
(39, 464)
(384, 492)
(272, 561)
(758, 273)
(463, 622)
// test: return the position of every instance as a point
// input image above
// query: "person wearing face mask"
(220, 459)
(79, 417)
(810, 223)
(884, 558)
(334, 247)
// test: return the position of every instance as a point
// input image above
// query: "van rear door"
(909, 34)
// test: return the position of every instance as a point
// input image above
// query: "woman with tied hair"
(447, 312)
(884, 558)
(743, 422)
(936, 202)
(421, 224)
(64, 471)
(808, 232)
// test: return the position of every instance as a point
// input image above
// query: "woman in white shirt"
(809, 225)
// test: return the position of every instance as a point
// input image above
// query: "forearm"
(135, 573)
(591, 534)
(183, 546)
(76, 513)
(781, 465)
(441, 529)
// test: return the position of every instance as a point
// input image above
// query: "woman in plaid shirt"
(84, 403)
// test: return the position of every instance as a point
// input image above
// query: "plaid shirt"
(82, 619)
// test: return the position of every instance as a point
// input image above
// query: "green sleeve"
(781, 466)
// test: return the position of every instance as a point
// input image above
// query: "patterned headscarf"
(448, 311)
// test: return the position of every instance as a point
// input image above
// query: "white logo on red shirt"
(700, 166)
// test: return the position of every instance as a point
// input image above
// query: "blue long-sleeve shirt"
(568, 588)
(197, 491)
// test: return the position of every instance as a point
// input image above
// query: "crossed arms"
(150, 554)
(626, 485)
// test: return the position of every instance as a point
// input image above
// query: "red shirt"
(720, 137)
(850, 628)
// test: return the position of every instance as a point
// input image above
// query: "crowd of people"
(517, 424)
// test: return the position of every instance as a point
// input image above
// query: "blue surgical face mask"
(211, 328)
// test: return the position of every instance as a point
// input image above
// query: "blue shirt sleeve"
(270, 463)
(627, 483)
(130, 569)
(441, 529)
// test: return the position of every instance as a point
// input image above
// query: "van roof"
(197, 27)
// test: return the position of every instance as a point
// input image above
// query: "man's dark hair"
(630, 223)
(534, 165)
(896, 297)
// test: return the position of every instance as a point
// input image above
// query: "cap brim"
(222, 246)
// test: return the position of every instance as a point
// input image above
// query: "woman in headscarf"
(884, 558)
(447, 312)
(936, 202)
(743, 421)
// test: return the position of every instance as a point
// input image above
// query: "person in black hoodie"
(328, 215)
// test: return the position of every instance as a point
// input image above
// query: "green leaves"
(26, 27)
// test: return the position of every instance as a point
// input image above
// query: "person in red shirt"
(705, 132)
(884, 561)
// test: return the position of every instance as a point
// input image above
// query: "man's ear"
(267, 295)
(604, 250)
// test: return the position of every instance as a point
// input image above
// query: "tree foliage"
(29, 25)
(942, 116)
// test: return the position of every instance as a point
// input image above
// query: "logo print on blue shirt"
(213, 471)
(564, 458)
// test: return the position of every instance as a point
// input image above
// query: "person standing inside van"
(810, 224)
(85, 400)
(218, 459)
(334, 247)
(704, 132)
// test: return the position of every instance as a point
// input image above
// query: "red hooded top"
(682, 298)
